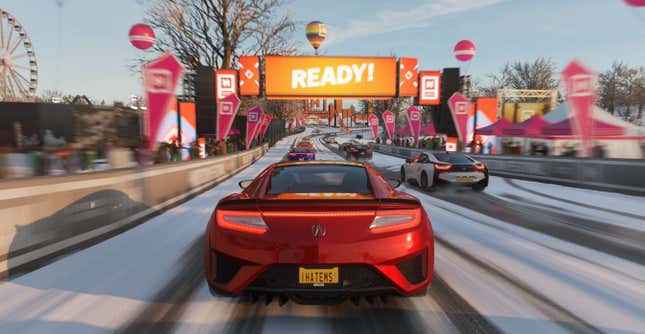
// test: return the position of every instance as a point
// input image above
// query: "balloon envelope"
(464, 50)
(141, 36)
(635, 3)
(316, 32)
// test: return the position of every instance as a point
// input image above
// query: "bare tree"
(539, 74)
(622, 87)
(215, 32)
(609, 86)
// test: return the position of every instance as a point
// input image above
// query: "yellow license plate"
(465, 178)
(318, 277)
(301, 159)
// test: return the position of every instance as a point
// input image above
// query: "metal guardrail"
(619, 175)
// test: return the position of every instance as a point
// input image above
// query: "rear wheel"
(479, 187)
(424, 180)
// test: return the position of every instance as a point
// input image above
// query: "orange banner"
(249, 75)
(330, 76)
(408, 77)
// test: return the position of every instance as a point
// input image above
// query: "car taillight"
(369, 150)
(393, 220)
(442, 167)
(480, 167)
(242, 221)
(292, 154)
(354, 150)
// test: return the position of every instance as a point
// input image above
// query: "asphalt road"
(149, 279)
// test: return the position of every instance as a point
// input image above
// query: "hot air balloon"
(635, 3)
(316, 32)
(464, 50)
(141, 36)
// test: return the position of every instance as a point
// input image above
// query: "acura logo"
(318, 230)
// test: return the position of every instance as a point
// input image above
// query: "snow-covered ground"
(149, 279)
(102, 288)
(570, 283)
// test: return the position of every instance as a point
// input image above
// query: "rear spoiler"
(347, 204)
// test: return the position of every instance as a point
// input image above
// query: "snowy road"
(519, 257)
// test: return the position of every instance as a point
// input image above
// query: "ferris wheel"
(18, 66)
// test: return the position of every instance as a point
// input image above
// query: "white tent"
(629, 147)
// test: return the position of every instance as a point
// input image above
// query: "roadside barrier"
(619, 175)
(44, 217)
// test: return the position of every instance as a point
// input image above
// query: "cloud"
(414, 17)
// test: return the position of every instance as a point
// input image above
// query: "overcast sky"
(95, 48)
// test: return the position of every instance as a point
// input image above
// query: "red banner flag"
(389, 119)
(373, 121)
(226, 111)
(253, 120)
(581, 95)
(160, 79)
(459, 107)
(289, 124)
(266, 121)
(414, 118)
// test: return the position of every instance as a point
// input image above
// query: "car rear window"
(319, 179)
(302, 150)
(360, 147)
(453, 158)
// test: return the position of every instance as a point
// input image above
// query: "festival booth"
(612, 137)
(495, 129)
(530, 133)
(554, 134)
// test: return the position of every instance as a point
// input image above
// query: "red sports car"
(317, 233)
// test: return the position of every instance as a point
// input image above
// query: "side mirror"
(245, 183)
(394, 183)
(407, 161)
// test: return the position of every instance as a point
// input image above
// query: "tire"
(403, 179)
(423, 181)
(479, 187)
(215, 292)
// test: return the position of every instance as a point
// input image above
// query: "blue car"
(301, 154)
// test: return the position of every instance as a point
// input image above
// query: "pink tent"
(565, 128)
(529, 128)
(494, 129)
(428, 130)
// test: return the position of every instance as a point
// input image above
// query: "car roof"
(319, 162)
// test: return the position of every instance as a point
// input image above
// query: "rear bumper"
(401, 263)
(457, 178)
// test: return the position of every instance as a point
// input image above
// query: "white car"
(432, 169)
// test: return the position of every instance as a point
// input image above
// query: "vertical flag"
(414, 118)
(373, 121)
(459, 108)
(266, 121)
(160, 79)
(580, 82)
(253, 120)
(389, 120)
(226, 111)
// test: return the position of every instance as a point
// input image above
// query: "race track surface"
(519, 257)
